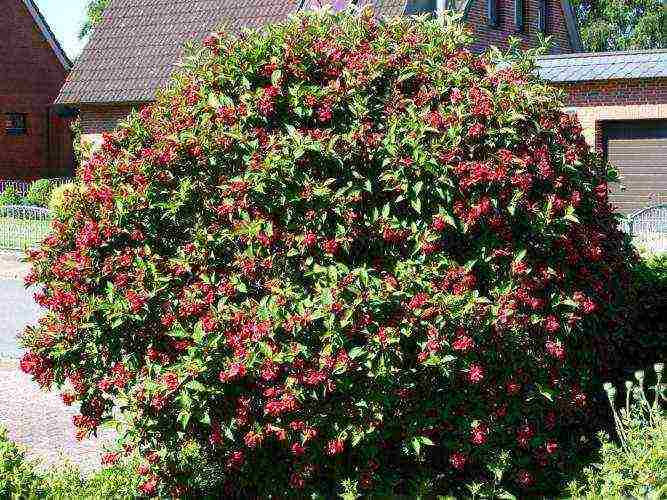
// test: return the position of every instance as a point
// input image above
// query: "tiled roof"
(604, 66)
(137, 45)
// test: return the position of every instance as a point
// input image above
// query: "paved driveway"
(32, 417)
(17, 310)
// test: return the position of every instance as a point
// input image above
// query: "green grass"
(19, 234)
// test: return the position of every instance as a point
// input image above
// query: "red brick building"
(135, 49)
(621, 101)
(620, 98)
(34, 140)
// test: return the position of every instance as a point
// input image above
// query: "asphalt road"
(17, 310)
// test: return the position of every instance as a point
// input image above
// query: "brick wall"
(31, 76)
(598, 101)
(486, 35)
(97, 119)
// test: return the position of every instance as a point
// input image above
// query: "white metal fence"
(22, 187)
(648, 228)
(23, 227)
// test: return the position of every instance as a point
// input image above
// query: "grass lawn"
(18, 234)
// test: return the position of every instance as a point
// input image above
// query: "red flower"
(475, 373)
(110, 458)
(476, 131)
(551, 447)
(330, 246)
(552, 325)
(297, 449)
(149, 487)
(310, 240)
(458, 460)
(236, 370)
(463, 343)
(418, 301)
(170, 380)
(479, 434)
(334, 447)
(525, 478)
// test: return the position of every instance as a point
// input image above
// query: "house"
(135, 49)
(621, 101)
(34, 140)
(620, 98)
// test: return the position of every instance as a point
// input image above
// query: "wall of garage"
(627, 121)
(605, 100)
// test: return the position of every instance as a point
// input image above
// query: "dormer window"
(518, 15)
(542, 16)
(492, 13)
(416, 7)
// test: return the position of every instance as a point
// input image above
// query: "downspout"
(48, 141)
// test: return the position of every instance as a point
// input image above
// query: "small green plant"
(39, 193)
(635, 465)
(22, 478)
(10, 196)
(58, 195)
(17, 475)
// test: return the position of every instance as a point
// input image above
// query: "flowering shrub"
(341, 255)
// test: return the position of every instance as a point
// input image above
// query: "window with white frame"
(16, 124)
(416, 7)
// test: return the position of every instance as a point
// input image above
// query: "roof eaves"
(48, 34)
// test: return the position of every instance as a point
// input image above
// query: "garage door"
(638, 149)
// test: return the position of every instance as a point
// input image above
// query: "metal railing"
(23, 227)
(648, 228)
(22, 187)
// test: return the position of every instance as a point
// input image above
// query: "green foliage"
(634, 464)
(608, 25)
(651, 271)
(10, 196)
(338, 255)
(59, 196)
(39, 193)
(21, 478)
(94, 11)
(644, 318)
(18, 478)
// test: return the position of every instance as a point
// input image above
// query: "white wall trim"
(48, 34)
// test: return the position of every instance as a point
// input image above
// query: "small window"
(518, 15)
(416, 7)
(16, 124)
(542, 16)
(492, 13)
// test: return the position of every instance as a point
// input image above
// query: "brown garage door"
(638, 149)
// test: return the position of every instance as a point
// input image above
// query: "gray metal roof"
(604, 66)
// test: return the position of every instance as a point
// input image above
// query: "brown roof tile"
(136, 47)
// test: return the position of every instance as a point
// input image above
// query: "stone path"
(43, 424)
(33, 418)
(11, 266)
(17, 310)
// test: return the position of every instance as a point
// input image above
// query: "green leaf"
(357, 352)
(184, 418)
(213, 100)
